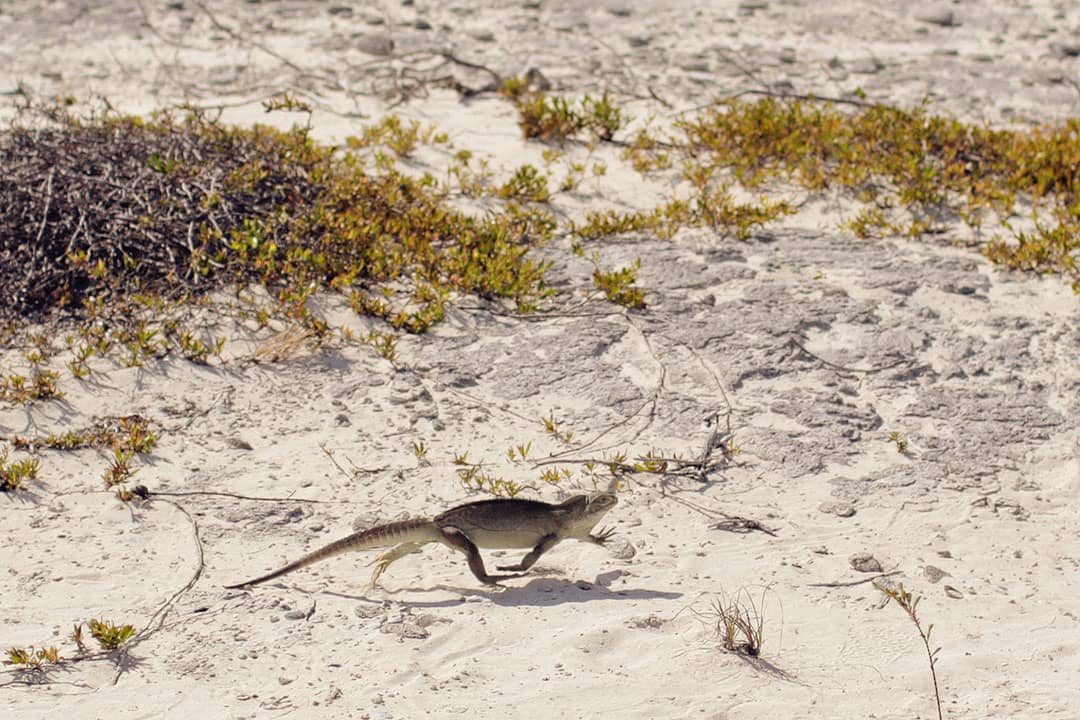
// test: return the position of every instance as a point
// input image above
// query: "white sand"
(989, 400)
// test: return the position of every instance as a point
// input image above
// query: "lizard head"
(598, 503)
(585, 511)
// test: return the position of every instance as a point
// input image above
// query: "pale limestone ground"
(987, 394)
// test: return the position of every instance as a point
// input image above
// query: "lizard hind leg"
(459, 541)
(382, 562)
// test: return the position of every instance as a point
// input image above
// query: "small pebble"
(865, 66)
(933, 574)
(843, 509)
(937, 16)
(1066, 50)
(378, 45)
(239, 443)
(865, 562)
(621, 548)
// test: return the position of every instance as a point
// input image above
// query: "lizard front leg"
(460, 541)
(546, 543)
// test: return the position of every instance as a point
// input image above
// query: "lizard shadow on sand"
(539, 591)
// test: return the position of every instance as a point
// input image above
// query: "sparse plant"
(33, 658)
(652, 463)
(602, 116)
(473, 477)
(618, 286)
(20, 390)
(600, 224)
(120, 470)
(556, 119)
(527, 185)
(420, 450)
(108, 635)
(575, 173)
(132, 432)
(14, 475)
(897, 438)
(468, 178)
(286, 102)
(403, 139)
(384, 343)
(196, 351)
(78, 638)
(548, 119)
(554, 428)
(909, 604)
(518, 452)
(554, 476)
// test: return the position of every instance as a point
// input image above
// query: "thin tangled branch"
(126, 207)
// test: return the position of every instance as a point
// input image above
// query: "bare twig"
(852, 583)
(808, 98)
(834, 366)
(158, 618)
(145, 493)
(48, 204)
(738, 524)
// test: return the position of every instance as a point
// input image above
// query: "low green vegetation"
(15, 474)
(35, 664)
(119, 220)
(19, 389)
(109, 635)
(32, 658)
(125, 437)
(132, 232)
(618, 286)
(914, 173)
(550, 118)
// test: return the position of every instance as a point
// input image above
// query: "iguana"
(498, 523)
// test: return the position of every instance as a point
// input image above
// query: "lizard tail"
(417, 530)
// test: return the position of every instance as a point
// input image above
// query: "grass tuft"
(909, 604)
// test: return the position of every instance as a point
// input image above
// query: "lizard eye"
(602, 501)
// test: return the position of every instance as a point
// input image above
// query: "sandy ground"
(818, 345)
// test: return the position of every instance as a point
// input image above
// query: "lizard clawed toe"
(602, 535)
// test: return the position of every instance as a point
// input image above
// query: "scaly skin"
(500, 523)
